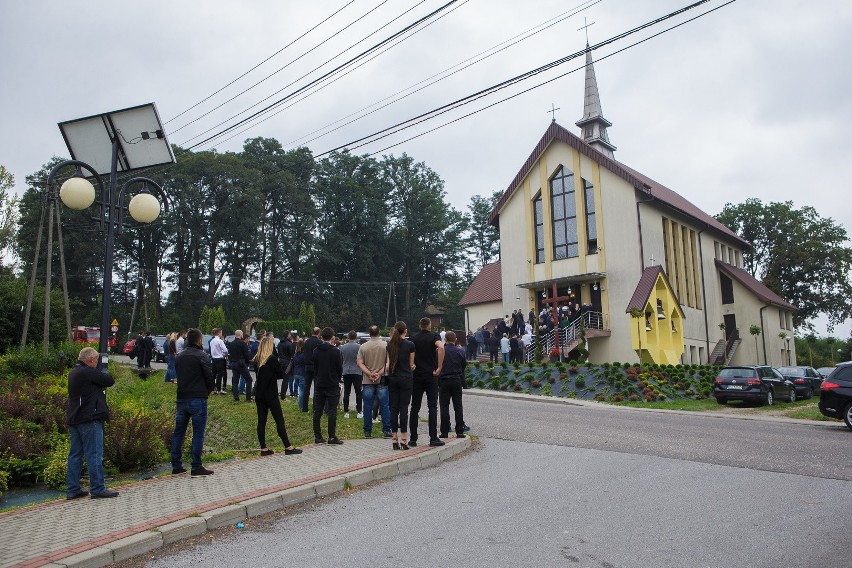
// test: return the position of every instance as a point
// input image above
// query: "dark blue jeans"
(368, 393)
(87, 440)
(240, 374)
(194, 409)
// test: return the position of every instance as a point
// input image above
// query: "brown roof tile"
(754, 285)
(486, 287)
(639, 181)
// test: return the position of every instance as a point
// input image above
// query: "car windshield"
(737, 373)
(792, 371)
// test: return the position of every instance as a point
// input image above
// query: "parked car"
(159, 348)
(835, 399)
(754, 383)
(825, 371)
(806, 379)
(128, 347)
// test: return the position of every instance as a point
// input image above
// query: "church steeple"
(593, 125)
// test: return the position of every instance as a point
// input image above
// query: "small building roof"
(754, 286)
(639, 181)
(486, 287)
(646, 285)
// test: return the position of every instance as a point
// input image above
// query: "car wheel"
(847, 415)
(792, 396)
(809, 393)
(770, 398)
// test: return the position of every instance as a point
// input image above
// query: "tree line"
(265, 230)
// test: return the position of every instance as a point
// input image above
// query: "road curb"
(595, 404)
(158, 535)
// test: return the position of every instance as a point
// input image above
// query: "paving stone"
(329, 486)
(262, 505)
(94, 558)
(385, 471)
(224, 516)
(360, 477)
(297, 495)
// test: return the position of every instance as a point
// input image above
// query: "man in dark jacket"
(450, 386)
(286, 352)
(194, 385)
(328, 368)
(428, 359)
(311, 343)
(86, 412)
(147, 350)
(239, 356)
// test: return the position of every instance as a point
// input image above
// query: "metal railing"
(567, 334)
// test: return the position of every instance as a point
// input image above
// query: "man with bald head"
(86, 413)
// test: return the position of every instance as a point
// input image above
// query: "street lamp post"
(78, 193)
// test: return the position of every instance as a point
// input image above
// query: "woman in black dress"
(269, 372)
(399, 367)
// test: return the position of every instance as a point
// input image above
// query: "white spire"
(593, 125)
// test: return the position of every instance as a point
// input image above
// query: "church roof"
(754, 285)
(486, 287)
(639, 181)
(646, 285)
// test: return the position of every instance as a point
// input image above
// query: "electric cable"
(216, 92)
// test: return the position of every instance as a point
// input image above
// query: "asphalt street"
(557, 485)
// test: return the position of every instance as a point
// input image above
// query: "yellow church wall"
(515, 232)
(480, 314)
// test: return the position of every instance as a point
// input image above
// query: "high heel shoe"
(396, 445)
(404, 445)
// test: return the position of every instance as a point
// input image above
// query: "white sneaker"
(377, 420)
(346, 415)
(360, 415)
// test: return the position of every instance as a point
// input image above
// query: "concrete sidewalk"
(150, 514)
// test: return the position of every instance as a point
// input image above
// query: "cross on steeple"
(586, 27)
(553, 110)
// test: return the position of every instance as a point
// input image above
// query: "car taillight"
(752, 381)
(826, 385)
(720, 380)
(799, 381)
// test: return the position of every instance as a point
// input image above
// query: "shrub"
(57, 461)
(551, 379)
(633, 398)
(4, 482)
(580, 382)
(571, 394)
(535, 384)
(546, 390)
(136, 438)
(600, 397)
(573, 370)
(517, 387)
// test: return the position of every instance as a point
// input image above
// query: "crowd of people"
(388, 378)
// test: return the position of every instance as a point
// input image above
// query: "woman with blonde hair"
(269, 372)
(399, 366)
(171, 353)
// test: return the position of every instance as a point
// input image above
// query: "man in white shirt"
(219, 352)
(181, 342)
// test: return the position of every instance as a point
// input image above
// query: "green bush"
(580, 382)
(57, 461)
(137, 438)
(4, 482)
(30, 361)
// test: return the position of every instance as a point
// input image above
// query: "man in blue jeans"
(86, 412)
(195, 383)
(371, 361)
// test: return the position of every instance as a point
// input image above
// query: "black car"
(159, 348)
(835, 399)
(806, 379)
(754, 383)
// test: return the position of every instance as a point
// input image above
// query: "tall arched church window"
(538, 218)
(564, 214)
(591, 227)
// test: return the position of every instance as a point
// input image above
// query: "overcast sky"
(752, 100)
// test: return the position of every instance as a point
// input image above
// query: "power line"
(259, 64)
(499, 86)
(326, 75)
(278, 71)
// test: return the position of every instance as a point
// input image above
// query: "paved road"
(555, 485)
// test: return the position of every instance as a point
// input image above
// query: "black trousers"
(399, 395)
(326, 399)
(494, 356)
(428, 385)
(240, 369)
(220, 374)
(354, 382)
(309, 379)
(451, 390)
(264, 408)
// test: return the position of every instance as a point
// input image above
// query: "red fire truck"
(83, 334)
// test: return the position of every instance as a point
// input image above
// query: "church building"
(663, 280)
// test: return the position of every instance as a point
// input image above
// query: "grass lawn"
(802, 409)
(231, 426)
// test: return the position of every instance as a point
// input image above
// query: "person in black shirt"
(493, 347)
(239, 356)
(269, 372)
(399, 368)
(311, 343)
(86, 412)
(195, 383)
(327, 368)
(450, 386)
(428, 356)
(286, 352)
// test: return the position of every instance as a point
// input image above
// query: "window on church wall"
(590, 130)
(565, 243)
(687, 267)
(674, 275)
(727, 289)
(696, 268)
(667, 257)
(538, 218)
(717, 255)
(591, 227)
